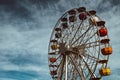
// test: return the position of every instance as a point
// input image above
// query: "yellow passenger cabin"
(105, 71)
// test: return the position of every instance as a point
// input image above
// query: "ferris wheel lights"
(92, 12)
(102, 32)
(64, 19)
(72, 18)
(104, 41)
(106, 51)
(81, 9)
(72, 12)
(83, 16)
(52, 59)
(100, 23)
(105, 71)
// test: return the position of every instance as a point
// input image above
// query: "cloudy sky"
(25, 29)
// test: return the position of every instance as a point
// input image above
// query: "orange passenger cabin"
(52, 60)
(106, 51)
(102, 32)
(54, 46)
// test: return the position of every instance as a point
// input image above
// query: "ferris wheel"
(79, 47)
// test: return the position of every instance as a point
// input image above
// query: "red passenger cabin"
(102, 32)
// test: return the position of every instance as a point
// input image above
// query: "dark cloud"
(7, 2)
(15, 8)
(44, 3)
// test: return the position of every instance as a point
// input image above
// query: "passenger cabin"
(54, 44)
(83, 16)
(105, 71)
(64, 19)
(96, 78)
(103, 61)
(102, 32)
(72, 12)
(106, 51)
(64, 25)
(100, 23)
(93, 20)
(104, 41)
(72, 18)
(91, 13)
(58, 32)
(54, 72)
(52, 60)
(81, 9)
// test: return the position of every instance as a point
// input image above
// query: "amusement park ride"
(79, 47)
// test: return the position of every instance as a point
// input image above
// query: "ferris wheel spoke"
(85, 35)
(82, 71)
(61, 69)
(74, 75)
(58, 57)
(77, 31)
(81, 36)
(76, 68)
(91, 57)
(88, 45)
(89, 69)
(89, 38)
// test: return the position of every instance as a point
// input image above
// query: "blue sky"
(25, 29)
